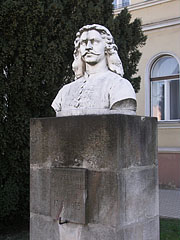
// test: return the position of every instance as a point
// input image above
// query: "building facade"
(159, 69)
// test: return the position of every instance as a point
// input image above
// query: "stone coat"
(96, 92)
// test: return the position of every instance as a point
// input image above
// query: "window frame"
(121, 3)
(149, 66)
(166, 80)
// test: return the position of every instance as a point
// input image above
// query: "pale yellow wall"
(161, 40)
(141, 94)
(166, 40)
(153, 11)
(169, 137)
(158, 12)
(135, 1)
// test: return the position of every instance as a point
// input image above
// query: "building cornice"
(143, 4)
(161, 24)
(169, 124)
(168, 150)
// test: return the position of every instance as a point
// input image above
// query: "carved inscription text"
(68, 194)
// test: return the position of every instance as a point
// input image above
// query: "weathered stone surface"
(40, 191)
(151, 229)
(43, 228)
(87, 232)
(68, 194)
(115, 158)
(146, 230)
(94, 142)
(103, 189)
(133, 192)
(138, 195)
(137, 141)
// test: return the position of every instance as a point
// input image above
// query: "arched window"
(165, 88)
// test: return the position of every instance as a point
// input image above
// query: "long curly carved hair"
(113, 61)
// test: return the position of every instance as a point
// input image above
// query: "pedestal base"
(98, 175)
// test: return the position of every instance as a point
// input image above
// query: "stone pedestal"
(94, 178)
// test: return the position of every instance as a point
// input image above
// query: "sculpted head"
(94, 43)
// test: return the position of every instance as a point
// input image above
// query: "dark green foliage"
(129, 37)
(36, 53)
(19, 236)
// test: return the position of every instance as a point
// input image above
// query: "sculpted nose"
(89, 45)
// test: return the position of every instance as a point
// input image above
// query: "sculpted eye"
(96, 41)
(83, 42)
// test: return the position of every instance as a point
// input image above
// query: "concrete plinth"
(98, 174)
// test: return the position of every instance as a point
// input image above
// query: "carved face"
(92, 47)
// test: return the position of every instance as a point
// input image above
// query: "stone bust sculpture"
(99, 86)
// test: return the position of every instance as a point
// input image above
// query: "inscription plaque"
(68, 194)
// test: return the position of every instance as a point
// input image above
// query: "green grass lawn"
(169, 230)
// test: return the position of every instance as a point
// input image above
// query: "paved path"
(169, 203)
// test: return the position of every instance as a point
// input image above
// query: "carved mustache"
(90, 52)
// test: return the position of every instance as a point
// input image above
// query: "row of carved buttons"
(80, 92)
